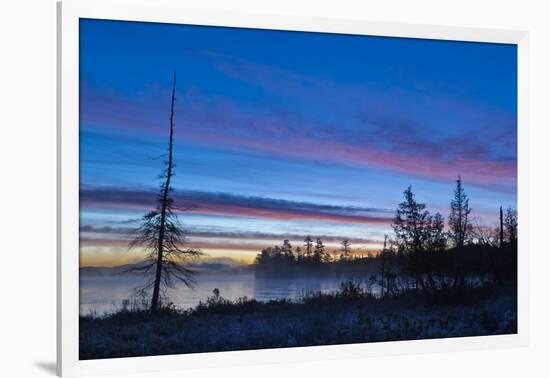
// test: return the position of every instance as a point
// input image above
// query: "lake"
(102, 294)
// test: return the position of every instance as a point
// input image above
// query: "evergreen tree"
(437, 238)
(162, 235)
(387, 276)
(319, 252)
(459, 222)
(346, 249)
(308, 243)
(410, 226)
(409, 223)
(286, 249)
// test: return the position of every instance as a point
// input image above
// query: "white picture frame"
(69, 13)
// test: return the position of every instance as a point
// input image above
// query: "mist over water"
(103, 294)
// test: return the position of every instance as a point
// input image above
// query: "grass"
(349, 315)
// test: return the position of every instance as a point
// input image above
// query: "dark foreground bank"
(348, 316)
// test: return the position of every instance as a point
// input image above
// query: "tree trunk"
(164, 205)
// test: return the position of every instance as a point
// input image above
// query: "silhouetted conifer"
(162, 235)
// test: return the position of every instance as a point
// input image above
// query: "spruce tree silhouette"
(162, 235)
(459, 221)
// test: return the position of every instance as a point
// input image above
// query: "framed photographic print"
(237, 188)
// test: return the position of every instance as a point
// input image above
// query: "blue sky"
(282, 134)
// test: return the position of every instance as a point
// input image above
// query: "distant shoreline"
(202, 267)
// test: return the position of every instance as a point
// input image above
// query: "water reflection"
(103, 293)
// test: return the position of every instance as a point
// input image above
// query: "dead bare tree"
(162, 235)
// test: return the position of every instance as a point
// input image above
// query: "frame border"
(168, 11)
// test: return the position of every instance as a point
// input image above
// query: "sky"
(279, 135)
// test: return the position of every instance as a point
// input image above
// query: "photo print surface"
(249, 189)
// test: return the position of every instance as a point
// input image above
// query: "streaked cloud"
(284, 134)
(234, 205)
(372, 133)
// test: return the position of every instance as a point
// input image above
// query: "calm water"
(105, 293)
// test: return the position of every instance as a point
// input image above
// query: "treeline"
(312, 253)
(425, 252)
(312, 257)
